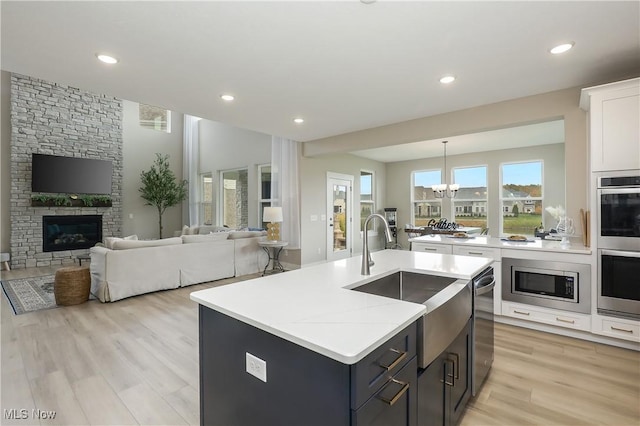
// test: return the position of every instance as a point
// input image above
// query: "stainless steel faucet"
(366, 256)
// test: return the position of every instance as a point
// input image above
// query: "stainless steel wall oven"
(619, 283)
(558, 285)
(618, 239)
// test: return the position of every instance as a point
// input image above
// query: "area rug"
(30, 294)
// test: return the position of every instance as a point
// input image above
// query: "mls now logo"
(23, 413)
(16, 414)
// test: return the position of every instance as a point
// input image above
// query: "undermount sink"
(408, 286)
(448, 302)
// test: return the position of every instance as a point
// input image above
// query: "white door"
(339, 216)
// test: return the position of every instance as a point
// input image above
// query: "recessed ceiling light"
(227, 97)
(106, 58)
(298, 120)
(561, 48)
(447, 79)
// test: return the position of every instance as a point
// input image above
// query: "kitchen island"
(311, 344)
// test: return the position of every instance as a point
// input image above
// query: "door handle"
(396, 397)
(446, 373)
(402, 355)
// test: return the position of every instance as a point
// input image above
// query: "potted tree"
(160, 187)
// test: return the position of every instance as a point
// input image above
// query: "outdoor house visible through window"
(470, 204)
(234, 198)
(425, 206)
(156, 118)
(206, 199)
(367, 203)
(521, 197)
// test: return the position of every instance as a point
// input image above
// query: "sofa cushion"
(214, 236)
(189, 230)
(207, 229)
(108, 241)
(132, 244)
(246, 234)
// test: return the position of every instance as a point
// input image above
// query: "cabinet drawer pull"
(521, 313)
(397, 361)
(477, 253)
(446, 373)
(621, 329)
(456, 365)
(429, 249)
(564, 320)
(396, 397)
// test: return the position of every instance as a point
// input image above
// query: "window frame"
(202, 203)
(457, 199)
(412, 193)
(372, 202)
(221, 194)
(501, 189)
(167, 128)
(262, 201)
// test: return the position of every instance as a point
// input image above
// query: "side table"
(273, 249)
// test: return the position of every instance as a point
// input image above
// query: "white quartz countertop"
(315, 308)
(483, 241)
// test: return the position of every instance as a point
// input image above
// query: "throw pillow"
(108, 241)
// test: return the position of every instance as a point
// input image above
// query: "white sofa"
(131, 268)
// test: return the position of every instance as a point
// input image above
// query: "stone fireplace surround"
(50, 118)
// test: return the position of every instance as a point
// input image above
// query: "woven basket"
(72, 285)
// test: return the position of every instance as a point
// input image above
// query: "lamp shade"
(272, 214)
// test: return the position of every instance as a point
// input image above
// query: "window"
(521, 197)
(264, 189)
(425, 206)
(470, 204)
(367, 203)
(155, 118)
(206, 199)
(234, 199)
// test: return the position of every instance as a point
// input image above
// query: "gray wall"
(224, 147)
(140, 147)
(50, 118)
(313, 173)
(399, 180)
(531, 109)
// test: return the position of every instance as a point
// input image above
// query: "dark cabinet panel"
(444, 387)
(302, 387)
(394, 404)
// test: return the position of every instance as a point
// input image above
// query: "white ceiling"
(343, 66)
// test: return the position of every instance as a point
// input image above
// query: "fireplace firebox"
(71, 232)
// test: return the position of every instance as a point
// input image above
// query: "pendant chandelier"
(439, 191)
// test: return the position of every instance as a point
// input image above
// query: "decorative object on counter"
(585, 218)
(439, 191)
(273, 215)
(565, 229)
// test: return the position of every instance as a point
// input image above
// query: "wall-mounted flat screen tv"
(71, 175)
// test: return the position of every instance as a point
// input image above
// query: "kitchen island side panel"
(302, 386)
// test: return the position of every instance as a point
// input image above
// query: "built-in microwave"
(558, 285)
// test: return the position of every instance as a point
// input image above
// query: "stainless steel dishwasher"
(482, 357)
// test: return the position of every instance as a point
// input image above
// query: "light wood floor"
(135, 361)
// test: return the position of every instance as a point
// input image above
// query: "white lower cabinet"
(616, 327)
(547, 316)
(432, 248)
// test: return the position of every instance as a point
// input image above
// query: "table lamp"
(273, 215)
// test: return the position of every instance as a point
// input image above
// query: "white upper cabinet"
(614, 122)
